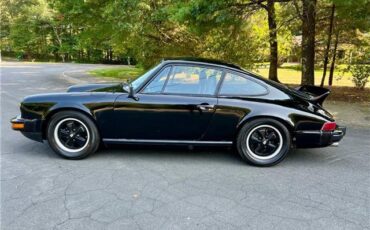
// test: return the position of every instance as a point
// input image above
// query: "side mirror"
(131, 93)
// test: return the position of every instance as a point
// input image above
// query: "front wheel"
(72, 135)
(263, 142)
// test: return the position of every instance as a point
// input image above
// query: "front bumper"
(317, 139)
(30, 128)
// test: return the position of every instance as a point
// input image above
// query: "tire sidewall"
(93, 142)
(242, 142)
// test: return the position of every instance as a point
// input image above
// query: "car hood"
(101, 87)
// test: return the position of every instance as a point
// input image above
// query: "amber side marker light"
(17, 126)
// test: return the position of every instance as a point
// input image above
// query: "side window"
(193, 80)
(237, 85)
(157, 84)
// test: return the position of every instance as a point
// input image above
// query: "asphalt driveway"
(167, 188)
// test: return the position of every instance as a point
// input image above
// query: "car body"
(190, 102)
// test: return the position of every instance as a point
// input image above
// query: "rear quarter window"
(234, 84)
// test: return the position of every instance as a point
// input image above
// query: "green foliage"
(361, 74)
(145, 31)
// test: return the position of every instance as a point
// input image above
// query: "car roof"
(202, 61)
(224, 64)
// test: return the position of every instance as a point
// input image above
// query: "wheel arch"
(288, 124)
(62, 109)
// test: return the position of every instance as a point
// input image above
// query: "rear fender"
(288, 123)
(294, 121)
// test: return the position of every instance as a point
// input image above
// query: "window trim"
(245, 76)
(141, 91)
(143, 85)
(193, 95)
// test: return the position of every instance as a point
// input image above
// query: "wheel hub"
(264, 142)
(71, 135)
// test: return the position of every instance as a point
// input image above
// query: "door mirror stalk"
(131, 93)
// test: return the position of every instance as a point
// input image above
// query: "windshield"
(140, 80)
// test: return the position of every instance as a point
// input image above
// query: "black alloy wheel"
(72, 135)
(263, 142)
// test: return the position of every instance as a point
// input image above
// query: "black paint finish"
(186, 118)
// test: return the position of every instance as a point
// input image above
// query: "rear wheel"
(72, 135)
(263, 142)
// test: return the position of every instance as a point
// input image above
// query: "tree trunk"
(326, 54)
(272, 40)
(55, 56)
(308, 42)
(88, 54)
(110, 54)
(332, 67)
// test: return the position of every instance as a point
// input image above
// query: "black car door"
(177, 104)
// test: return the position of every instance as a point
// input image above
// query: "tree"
(239, 31)
(328, 42)
(308, 41)
(230, 13)
(273, 41)
(331, 74)
(270, 7)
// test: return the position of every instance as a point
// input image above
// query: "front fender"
(98, 105)
(66, 106)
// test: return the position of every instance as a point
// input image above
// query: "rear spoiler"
(317, 94)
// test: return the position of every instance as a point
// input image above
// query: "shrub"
(360, 75)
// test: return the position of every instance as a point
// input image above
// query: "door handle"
(204, 107)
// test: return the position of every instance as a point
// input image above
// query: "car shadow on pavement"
(169, 153)
(198, 154)
(179, 153)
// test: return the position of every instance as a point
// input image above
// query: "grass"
(124, 73)
(291, 74)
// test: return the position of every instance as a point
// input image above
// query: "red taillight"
(329, 126)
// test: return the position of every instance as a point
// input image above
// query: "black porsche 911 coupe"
(183, 102)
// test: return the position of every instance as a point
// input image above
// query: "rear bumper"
(317, 138)
(29, 128)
